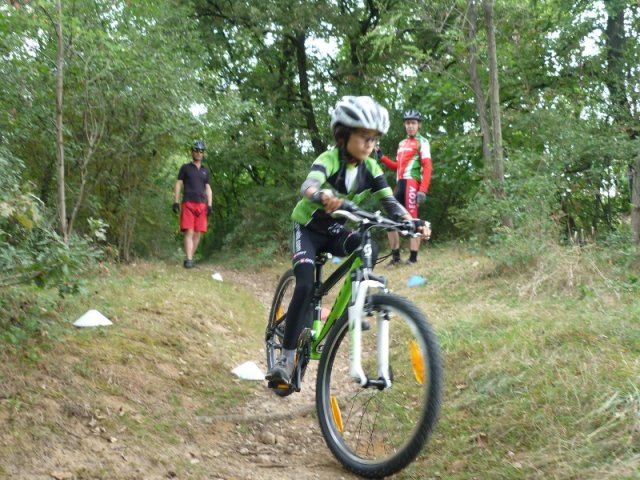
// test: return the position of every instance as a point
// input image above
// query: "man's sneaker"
(394, 262)
(188, 264)
(281, 372)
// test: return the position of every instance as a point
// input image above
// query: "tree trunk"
(480, 100)
(494, 96)
(616, 42)
(93, 130)
(635, 200)
(62, 202)
(620, 107)
(307, 105)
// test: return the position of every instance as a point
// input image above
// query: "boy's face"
(362, 142)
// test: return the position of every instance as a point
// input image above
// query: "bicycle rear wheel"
(377, 432)
(274, 334)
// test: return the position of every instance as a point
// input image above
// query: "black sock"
(413, 256)
(396, 254)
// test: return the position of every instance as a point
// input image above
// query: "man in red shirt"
(413, 166)
(196, 202)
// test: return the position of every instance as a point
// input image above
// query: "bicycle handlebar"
(351, 211)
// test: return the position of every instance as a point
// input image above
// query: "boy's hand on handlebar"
(420, 227)
(327, 199)
(331, 203)
(424, 230)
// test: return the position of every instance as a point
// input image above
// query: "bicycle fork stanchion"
(383, 350)
(355, 326)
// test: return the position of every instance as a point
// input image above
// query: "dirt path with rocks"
(271, 437)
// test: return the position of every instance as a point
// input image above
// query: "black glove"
(316, 197)
(209, 210)
(377, 153)
(421, 197)
(412, 225)
(176, 207)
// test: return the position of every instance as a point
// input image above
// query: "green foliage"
(530, 203)
(619, 250)
(264, 228)
(31, 250)
(132, 71)
(269, 73)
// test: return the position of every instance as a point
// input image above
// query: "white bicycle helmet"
(360, 112)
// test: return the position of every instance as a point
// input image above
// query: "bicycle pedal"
(279, 385)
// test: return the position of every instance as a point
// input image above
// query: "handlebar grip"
(348, 205)
(409, 226)
(413, 225)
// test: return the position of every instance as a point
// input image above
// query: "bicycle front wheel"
(274, 334)
(376, 432)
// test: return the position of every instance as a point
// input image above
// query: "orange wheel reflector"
(337, 416)
(417, 361)
(279, 312)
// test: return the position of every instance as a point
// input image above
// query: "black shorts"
(407, 194)
(308, 243)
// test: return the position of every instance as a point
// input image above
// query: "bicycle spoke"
(381, 431)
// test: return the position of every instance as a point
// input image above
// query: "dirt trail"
(274, 437)
(73, 419)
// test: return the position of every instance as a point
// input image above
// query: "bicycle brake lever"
(348, 215)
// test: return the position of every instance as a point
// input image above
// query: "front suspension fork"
(356, 310)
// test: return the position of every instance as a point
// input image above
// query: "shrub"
(31, 251)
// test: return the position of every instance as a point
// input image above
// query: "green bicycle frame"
(319, 329)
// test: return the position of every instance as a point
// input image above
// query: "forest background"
(532, 111)
(531, 108)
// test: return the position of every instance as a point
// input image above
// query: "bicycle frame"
(352, 296)
(355, 424)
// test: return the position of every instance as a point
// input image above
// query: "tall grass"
(542, 360)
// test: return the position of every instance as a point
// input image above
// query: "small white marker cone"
(92, 318)
(217, 276)
(248, 371)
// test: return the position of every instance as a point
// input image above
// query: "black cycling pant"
(307, 244)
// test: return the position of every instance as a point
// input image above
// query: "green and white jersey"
(354, 181)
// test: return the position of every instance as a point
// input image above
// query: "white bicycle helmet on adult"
(360, 112)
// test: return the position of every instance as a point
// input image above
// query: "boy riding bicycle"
(348, 170)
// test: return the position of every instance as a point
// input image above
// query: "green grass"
(542, 365)
(542, 380)
(175, 337)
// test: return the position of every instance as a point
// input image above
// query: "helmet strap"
(345, 157)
